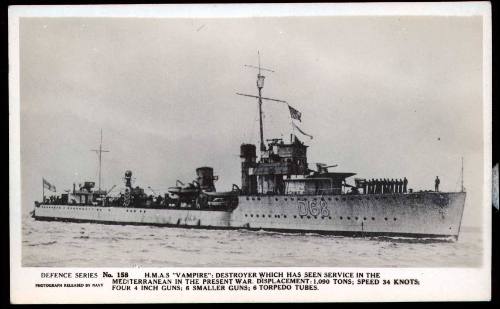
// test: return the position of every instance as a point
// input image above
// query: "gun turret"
(323, 168)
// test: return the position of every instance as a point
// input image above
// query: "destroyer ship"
(278, 192)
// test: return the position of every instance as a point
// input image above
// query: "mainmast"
(99, 152)
(260, 85)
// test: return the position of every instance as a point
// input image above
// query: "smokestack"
(248, 158)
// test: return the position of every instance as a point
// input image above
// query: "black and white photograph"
(337, 140)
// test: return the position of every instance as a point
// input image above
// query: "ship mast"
(99, 152)
(260, 85)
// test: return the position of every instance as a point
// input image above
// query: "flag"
(295, 114)
(300, 130)
(48, 185)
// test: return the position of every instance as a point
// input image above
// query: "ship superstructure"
(278, 192)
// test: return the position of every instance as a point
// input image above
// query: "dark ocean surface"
(62, 244)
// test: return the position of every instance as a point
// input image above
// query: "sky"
(384, 97)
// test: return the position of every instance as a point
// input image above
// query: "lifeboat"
(190, 189)
(221, 194)
(234, 192)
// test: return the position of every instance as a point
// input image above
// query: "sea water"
(65, 244)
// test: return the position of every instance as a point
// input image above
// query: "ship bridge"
(283, 169)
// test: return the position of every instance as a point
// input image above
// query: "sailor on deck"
(436, 184)
(400, 185)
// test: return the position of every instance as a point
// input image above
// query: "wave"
(413, 240)
(43, 243)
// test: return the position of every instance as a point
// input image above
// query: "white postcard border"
(438, 283)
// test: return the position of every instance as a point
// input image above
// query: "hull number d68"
(313, 208)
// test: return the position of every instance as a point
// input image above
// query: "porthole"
(284, 216)
(269, 216)
(341, 217)
(258, 199)
(356, 218)
(276, 199)
(336, 198)
(291, 199)
(315, 217)
(395, 219)
(364, 218)
(308, 217)
(253, 199)
(278, 216)
(329, 198)
(343, 199)
(247, 198)
(373, 219)
(251, 215)
(330, 218)
(285, 198)
(295, 216)
(246, 215)
(348, 218)
(322, 198)
(385, 219)
(257, 216)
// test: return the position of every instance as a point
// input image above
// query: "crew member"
(436, 184)
(405, 184)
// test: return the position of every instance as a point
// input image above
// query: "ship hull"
(426, 214)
